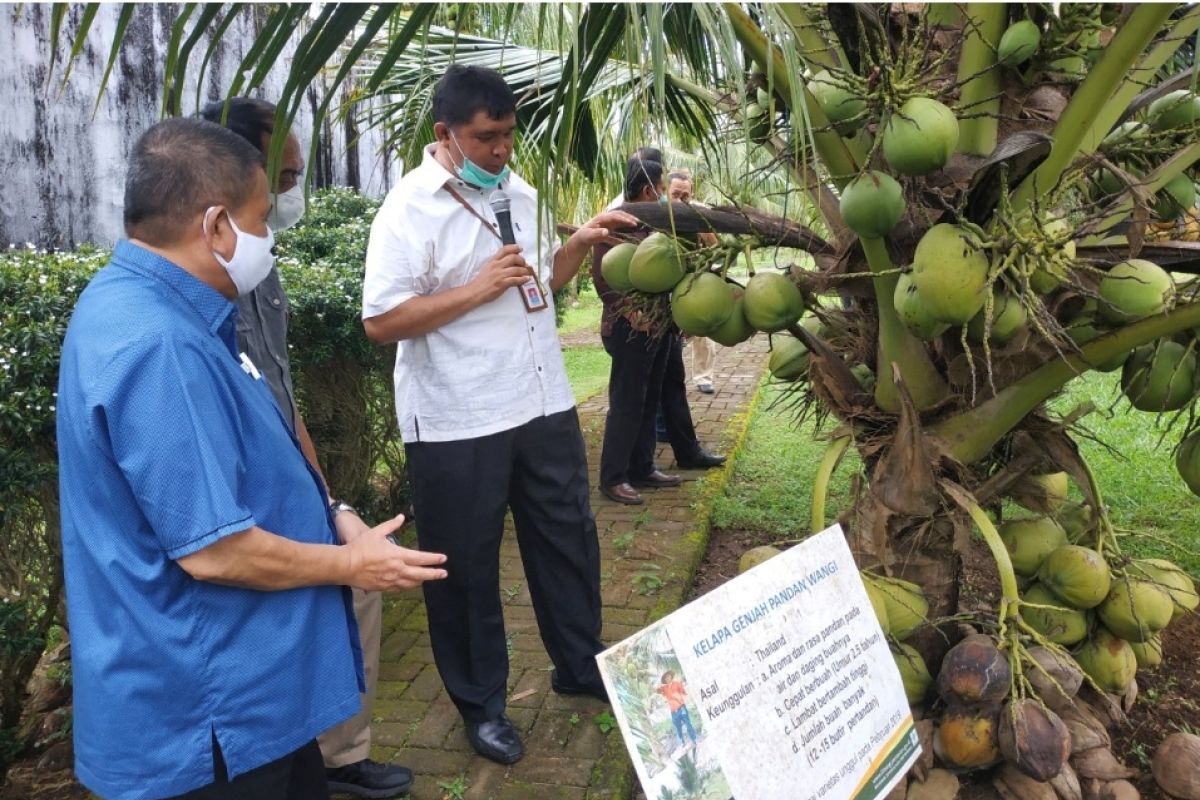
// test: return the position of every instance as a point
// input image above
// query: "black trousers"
(461, 490)
(677, 414)
(297, 776)
(635, 382)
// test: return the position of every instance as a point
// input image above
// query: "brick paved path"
(648, 556)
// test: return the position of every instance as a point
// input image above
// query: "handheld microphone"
(500, 207)
(531, 290)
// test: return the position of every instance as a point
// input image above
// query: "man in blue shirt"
(212, 634)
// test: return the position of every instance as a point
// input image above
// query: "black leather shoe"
(496, 739)
(369, 779)
(657, 480)
(701, 460)
(622, 493)
(597, 691)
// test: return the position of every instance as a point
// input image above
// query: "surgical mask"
(287, 209)
(663, 199)
(474, 174)
(252, 257)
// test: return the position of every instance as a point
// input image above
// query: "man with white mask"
(212, 635)
(262, 334)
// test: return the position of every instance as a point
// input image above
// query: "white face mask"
(252, 257)
(288, 208)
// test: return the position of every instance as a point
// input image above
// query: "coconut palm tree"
(991, 182)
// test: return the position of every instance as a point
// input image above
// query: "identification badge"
(532, 294)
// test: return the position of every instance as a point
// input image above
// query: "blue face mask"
(663, 199)
(474, 174)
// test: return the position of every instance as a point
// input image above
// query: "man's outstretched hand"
(378, 564)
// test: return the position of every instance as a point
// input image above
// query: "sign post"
(778, 684)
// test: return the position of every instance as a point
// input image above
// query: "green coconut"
(872, 204)
(789, 359)
(701, 303)
(1019, 42)
(1107, 660)
(1171, 578)
(1051, 274)
(1187, 462)
(1173, 200)
(772, 302)
(755, 556)
(1077, 520)
(734, 330)
(864, 375)
(843, 107)
(1070, 67)
(913, 672)
(657, 264)
(1030, 540)
(1043, 491)
(950, 274)
(1148, 653)
(920, 137)
(763, 97)
(1178, 109)
(1085, 331)
(1134, 289)
(1125, 133)
(1077, 575)
(1136, 610)
(1008, 317)
(1159, 377)
(614, 267)
(878, 605)
(913, 312)
(907, 607)
(1065, 626)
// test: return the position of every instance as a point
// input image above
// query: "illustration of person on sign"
(675, 693)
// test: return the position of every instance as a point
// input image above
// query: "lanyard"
(534, 296)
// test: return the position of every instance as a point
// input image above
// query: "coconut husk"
(924, 763)
(1058, 679)
(1086, 731)
(1130, 696)
(1034, 739)
(1119, 790)
(1105, 707)
(1012, 784)
(1176, 766)
(939, 784)
(1066, 784)
(1101, 764)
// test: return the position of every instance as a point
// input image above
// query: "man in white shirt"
(485, 409)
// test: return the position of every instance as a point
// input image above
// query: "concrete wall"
(62, 170)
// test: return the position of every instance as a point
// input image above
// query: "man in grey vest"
(262, 335)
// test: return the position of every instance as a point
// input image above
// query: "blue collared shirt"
(167, 443)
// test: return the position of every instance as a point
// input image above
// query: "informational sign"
(777, 685)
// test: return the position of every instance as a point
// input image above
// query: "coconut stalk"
(815, 49)
(1121, 208)
(1088, 103)
(1139, 78)
(829, 461)
(970, 435)
(980, 75)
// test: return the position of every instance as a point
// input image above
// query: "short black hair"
(464, 91)
(249, 118)
(640, 172)
(180, 167)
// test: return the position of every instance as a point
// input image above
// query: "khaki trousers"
(703, 356)
(350, 741)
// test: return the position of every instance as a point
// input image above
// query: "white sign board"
(778, 684)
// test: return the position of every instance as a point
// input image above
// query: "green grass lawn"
(587, 369)
(771, 488)
(585, 314)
